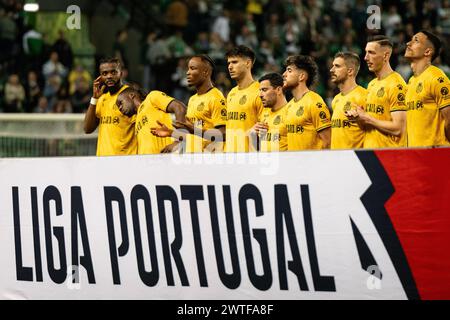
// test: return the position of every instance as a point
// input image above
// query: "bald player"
(115, 130)
(384, 115)
(427, 98)
(346, 134)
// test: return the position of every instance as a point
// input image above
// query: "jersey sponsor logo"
(268, 136)
(292, 128)
(234, 115)
(319, 105)
(277, 120)
(340, 123)
(419, 87)
(378, 109)
(222, 102)
(322, 115)
(109, 120)
(444, 91)
(300, 111)
(243, 100)
(400, 87)
(441, 80)
(414, 105)
(380, 92)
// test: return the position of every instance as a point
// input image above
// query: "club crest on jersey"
(116, 120)
(347, 106)
(277, 120)
(243, 100)
(380, 92)
(444, 91)
(300, 111)
(201, 106)
(419, 87)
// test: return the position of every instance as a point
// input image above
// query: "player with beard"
(152, 110)
(308, 118)
(244, 105)
(384, 115)
(271, 128)
(427, 97)
(346, 134)
(115, 130)
(204, 128)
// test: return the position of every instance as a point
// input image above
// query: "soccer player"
(206, 111)
(115, 130)
(308, 118)
(427, 98)
(152, 110)
(384, 116)
(346, 134)
(244, 105)
(271, 128)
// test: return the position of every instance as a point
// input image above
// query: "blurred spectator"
(81, 96)
(42, 106)
(391, 20)
(77, 75)
(8, 32)
(201, 45)
(180, 86)
(223, 83)
(14, 95)
(247, 38)
(119, 47)
(177, 15)
(221, 26)
(177, 46)
(63, 104)
(33, 91)
(444, 17)
(64, 50)
(53, 67)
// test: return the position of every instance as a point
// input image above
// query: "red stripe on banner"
(420, 213)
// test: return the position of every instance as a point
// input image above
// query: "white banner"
(246, 226)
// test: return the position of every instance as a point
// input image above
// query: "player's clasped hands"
(260, 128)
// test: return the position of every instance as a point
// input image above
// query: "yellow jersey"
(383, 97)
(116, 130)
(346, 134)
(427, 95)
(305, 118)
(244, 107)
(151, 110)
(206, 111)
(275, 139)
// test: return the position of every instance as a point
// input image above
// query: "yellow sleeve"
(441, 92)
(218, 111)
(159, 100)
(397, 95)
(320, 115)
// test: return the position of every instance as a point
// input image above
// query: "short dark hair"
(350, 57)
(382, 40)
(275, 79)
(305, 63)
(435, 41)
(111, 60)
(207, 59)
(136, 89)
(241, 51)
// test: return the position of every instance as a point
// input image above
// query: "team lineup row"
(255, 116)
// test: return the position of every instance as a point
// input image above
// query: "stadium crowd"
(36, 76)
